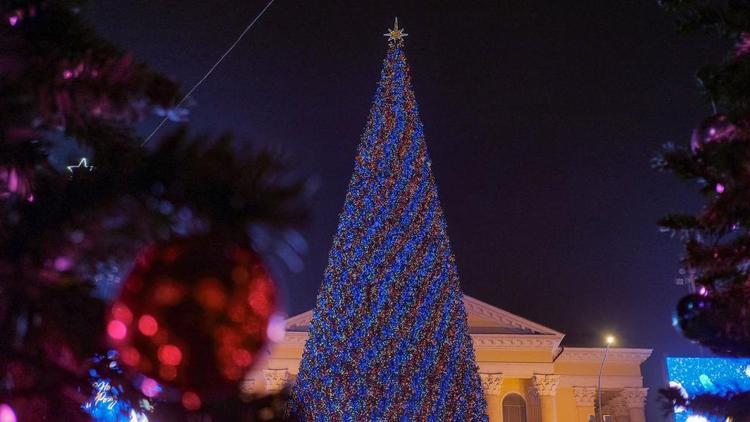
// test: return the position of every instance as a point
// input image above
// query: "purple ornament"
(695, 317)
(717, 128)
(742, 48)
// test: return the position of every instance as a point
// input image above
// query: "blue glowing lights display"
(107, 403)
(388, 338)
(694, 376)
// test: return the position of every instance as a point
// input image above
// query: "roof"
(490, 328)
(497, 329)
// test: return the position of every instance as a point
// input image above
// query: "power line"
(210, 70)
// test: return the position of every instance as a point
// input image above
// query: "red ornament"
(193, 314)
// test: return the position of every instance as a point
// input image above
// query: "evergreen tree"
(717, 238)
(68, 235)
(388, 337)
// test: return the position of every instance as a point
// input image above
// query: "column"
(247, 387)
(533, 409)
(276, 379)
(635, 401)
(618, 409)
(607, 410)
(491, 384)
(546, 387)
(585, 399)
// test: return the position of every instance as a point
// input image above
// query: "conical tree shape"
(388, 337)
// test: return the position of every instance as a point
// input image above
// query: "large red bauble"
(192, 317)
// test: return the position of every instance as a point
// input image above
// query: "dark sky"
(540, 116)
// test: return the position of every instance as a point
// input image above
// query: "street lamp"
(610, 340)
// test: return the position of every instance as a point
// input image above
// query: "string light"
(106, 405)
(388, 338)
(81, 164)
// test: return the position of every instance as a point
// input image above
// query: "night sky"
(541, 118)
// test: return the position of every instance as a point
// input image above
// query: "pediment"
(487, 319)
(299, 323)
(483, 318)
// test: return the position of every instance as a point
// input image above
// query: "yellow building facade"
(526, 374)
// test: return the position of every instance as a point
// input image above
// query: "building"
(526, 374)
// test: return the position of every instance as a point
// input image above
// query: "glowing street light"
(610, 340)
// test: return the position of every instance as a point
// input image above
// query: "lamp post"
(599, 413)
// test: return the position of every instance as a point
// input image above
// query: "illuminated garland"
(388, 338)
(107, 403)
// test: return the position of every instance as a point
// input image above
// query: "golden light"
(610, 340)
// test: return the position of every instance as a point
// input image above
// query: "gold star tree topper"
(395, 33)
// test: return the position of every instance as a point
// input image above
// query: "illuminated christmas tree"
(389, 339)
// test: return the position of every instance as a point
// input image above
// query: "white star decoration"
(83, 163)
(395, 33)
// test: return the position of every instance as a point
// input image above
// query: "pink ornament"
(7, 414)
(63, 263)
(717, 128)
(13, 20)
(150, 388)
(276, 330)
(14, 181)
(719, 188)
(117, 330)
(743, 45)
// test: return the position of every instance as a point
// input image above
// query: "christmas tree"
(388, 338)
(70, 228)
(716, 314)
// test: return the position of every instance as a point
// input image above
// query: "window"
(514, 408)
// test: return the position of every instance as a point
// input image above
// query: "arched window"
(514, 408)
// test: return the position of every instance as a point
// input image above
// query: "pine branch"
(58, 78)
(731, 404)
(716, 238)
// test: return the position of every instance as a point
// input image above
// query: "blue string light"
(107, 403)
